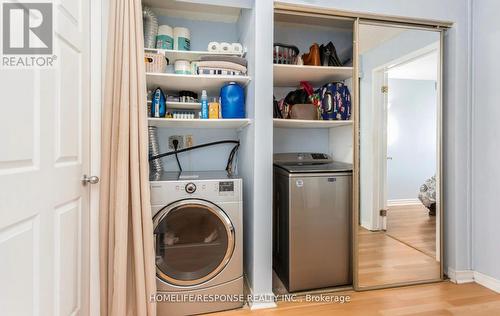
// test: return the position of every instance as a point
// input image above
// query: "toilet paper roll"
(225, 47)
(236, 48)
(213, 47)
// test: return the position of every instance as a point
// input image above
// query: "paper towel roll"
(213, 47)
(182, 38)
(237, 48)
(165, 37)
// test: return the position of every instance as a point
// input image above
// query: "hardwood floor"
(385, 260)
(436, 299)
(412, 225)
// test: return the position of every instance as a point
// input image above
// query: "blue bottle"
(158, 106)
(232, 101)
(204, 104)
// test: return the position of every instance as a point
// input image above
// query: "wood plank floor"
(412, 225)
(385, 260)
(436, 299)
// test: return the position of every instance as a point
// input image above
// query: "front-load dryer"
(198, 223)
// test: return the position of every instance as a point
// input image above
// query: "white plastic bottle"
(204, 104)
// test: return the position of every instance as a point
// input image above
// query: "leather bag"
(306, 111)
(313, 57)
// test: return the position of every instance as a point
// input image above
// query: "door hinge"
(383, 213)
(384, 89)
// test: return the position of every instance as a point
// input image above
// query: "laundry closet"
(259, 181)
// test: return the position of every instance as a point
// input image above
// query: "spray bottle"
(204, 104)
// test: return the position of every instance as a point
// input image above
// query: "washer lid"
(315, 168)
(302, 158)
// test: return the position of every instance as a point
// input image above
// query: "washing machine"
(312, 221)
(198, 234)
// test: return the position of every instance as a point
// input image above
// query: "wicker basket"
(155, 62)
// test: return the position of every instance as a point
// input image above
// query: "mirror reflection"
(399, 218)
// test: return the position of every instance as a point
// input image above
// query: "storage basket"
(155, 62)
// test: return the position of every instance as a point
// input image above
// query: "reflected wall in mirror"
(399, 225)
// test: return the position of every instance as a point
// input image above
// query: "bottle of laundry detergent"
(204, 104)
(232, 101)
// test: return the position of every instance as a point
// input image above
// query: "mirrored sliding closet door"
(399, 225)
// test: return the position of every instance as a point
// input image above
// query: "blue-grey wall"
(457, 108)
(303, 36)
(204, 32)
(412, 133)
(486, 133)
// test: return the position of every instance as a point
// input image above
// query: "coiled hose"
(150, 26)
(155, 165)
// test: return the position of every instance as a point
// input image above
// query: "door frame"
(379, 165)
(98, 10)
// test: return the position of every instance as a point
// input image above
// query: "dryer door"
(194, 241)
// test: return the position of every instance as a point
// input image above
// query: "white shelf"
(198, 123)
(283, 123)
(292, 75)
(190, 55)
(182, 105)
(227, 11)
(176, 82)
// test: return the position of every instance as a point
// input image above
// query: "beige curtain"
(126, 233)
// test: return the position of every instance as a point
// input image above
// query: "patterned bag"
(335, 101)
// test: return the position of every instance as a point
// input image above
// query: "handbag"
(304, 111)
(335, 101)
(300, 104)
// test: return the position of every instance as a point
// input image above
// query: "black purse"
(328, 55)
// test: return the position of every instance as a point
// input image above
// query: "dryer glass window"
(193, 243)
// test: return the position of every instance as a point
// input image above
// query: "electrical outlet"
(188, 140)
(179, 138)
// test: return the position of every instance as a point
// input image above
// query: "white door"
(44, 151)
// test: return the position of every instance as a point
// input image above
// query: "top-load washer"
(312, 221)
(198, 224)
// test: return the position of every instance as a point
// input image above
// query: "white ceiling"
(371, 36)
(421, 68)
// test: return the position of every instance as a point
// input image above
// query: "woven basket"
(155, 62)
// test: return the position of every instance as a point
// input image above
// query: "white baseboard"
(368, 225)
(487, 281)
(468, 276)
(261, 305)
(403, 202)
(259, 301)
(262, 301)
(460, 276)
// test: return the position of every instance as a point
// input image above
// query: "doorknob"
(92, 179)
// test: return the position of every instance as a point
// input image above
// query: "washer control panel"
(226, 188)
(190, 188)
(217, 190)
(222, 188)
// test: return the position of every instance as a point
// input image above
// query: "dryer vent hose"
(155, 165)
(150, 25)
